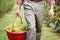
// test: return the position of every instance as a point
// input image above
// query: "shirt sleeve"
(19, 2)
(52, 2)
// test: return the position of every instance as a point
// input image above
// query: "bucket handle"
(16, 15)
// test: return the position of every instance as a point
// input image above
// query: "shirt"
(50, 2)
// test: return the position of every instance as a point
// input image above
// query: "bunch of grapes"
(18, 27)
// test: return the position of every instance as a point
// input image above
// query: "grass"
(48, 33)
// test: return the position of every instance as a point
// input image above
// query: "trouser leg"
(39, 16)
(38, 36)
(38, 30)
(38, 10)
(30, 17)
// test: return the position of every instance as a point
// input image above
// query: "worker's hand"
(17, 12)
(51, 13)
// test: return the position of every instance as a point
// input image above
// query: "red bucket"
(16, 35)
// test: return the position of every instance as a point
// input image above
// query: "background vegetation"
(56, 16)
(6, 6)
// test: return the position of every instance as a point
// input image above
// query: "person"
(34, 11)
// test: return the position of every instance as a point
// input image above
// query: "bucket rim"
(8, 31)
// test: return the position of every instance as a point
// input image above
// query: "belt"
(36, 0)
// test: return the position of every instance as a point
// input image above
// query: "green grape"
(18, 27)
(17, 30)
(10, 27)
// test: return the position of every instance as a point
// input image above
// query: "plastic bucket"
(16, 35)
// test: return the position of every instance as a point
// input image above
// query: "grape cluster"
(18, 27)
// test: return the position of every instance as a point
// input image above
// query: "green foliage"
(57, 13)
(6, 5)
(56, 16)
(46, 13)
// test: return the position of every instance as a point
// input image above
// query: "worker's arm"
(19, 4)
(51, 11)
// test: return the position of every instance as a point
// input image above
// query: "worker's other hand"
(51, 13)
